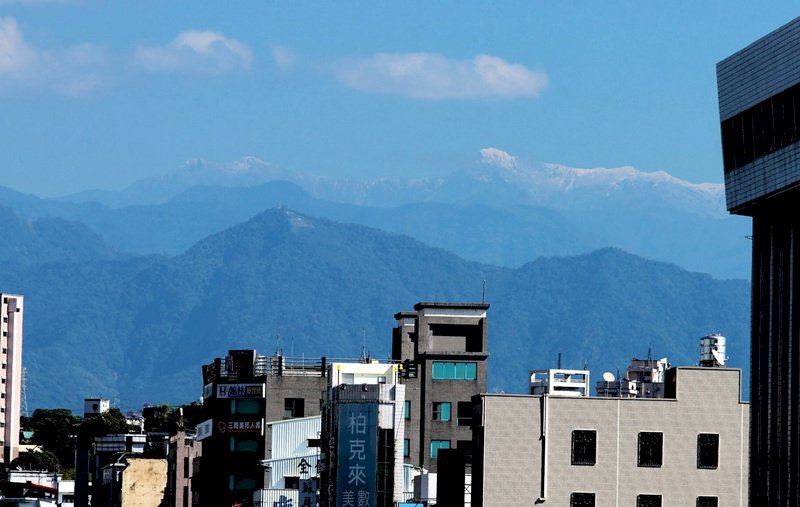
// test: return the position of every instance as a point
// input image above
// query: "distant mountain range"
(494, 212)
(137, 328)
(128, 293)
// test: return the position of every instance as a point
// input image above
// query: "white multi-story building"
(362, 437)
(11, 311)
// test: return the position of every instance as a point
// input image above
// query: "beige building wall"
(515, 461)
(143, 482)
(11, 310)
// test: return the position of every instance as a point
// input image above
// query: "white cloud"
(35, 3)
(284, 57)
(498, 158)
(76, 70)
(196, 51)
(432, 76)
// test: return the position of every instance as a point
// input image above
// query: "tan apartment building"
(689, 448)
(11, 311)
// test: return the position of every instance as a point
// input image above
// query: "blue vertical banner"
(357, 455)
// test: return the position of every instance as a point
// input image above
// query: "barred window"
(648, 501)
(584, 447)
(707, 450)
(581, 500)
(707, 501)
(651, 445)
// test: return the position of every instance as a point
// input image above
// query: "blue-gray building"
(759, 102)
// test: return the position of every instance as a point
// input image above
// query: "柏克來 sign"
(357, 452)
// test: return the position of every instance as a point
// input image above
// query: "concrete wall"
(143, 482)
(310, 388)
(514, 460)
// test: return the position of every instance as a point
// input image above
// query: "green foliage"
(109, 422)
(143, 326)
(37, 459)
(54, 431)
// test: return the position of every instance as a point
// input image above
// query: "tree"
(109, 422)
(54, 432)
(40, 459)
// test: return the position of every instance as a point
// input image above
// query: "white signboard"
(204, 429)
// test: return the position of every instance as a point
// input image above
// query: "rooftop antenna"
(649, 354)
(277, 344)
(363, 344)
(25, 391)
(483, 292)
(559, 360)
(585, 364)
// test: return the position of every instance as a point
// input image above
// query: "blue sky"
(100, 94)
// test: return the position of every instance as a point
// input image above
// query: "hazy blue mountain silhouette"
(137, 329)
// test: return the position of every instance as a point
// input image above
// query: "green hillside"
(137, 330)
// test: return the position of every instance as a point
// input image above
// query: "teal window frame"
(406, 448)
(245, 407)
(442, 411)
(407, 410)
(241, 444)
(438, 444)
(454, 370)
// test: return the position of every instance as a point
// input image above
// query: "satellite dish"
(718, 357)
(608, 377)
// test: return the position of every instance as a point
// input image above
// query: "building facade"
(182, 451)
(362, 428)
(443, 349)
(759, 103)
(241, 392)
(689, 448)
(12, 311)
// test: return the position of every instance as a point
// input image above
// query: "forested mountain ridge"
(138, 329)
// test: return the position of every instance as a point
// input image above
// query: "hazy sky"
(99, 94)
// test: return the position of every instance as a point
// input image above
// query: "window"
(186, 466)
(247, 407)
(293, 407)
(707, 450)
(185, 496)
(464, 413)
(438, 444)
(454, 371)
(581, 500)
(313, 442)
(239, 483)
(707, 501)
(650, 449)
(441, 410)
(291, 482)
(407, 410)
(648, 501)
(584, 447)
(238, 444)
(464, 446)
(406, 448)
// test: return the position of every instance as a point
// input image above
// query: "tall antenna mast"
(25, 391)
(363, 344)
(483, 296)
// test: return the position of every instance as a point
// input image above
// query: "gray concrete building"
(443, 349)
(759, 107)
(689, 448)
